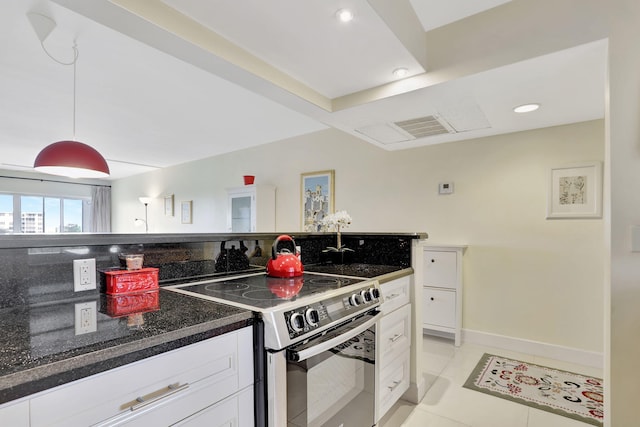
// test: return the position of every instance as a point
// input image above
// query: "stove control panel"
(305, 319)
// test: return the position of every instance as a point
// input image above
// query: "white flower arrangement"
(336, 221)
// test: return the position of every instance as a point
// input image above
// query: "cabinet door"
(439, 307)
(242, 212)
(440, 269)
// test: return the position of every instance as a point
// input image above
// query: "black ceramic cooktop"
(262, 292)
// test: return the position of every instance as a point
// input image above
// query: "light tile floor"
(448, 404)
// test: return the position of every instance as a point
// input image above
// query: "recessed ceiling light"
(344, 15)
(526, 108)
(401, 72)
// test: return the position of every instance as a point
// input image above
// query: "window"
(41, 214)
(6, 213)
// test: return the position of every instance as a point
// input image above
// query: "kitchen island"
(42, 347)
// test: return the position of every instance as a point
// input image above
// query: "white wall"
(525, 276)
(623, 157)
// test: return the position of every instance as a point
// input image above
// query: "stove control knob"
(374, 292)
(354, 300)
(297, 322)
(365, 295)
(312, 316)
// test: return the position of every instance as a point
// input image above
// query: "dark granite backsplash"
(43, 273)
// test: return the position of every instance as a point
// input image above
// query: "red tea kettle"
(284, 263)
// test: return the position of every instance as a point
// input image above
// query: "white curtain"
(101, 209)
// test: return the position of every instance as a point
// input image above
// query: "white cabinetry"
(442, 290)
(210, 382)
(393, 345)
(15, 414)
(251, 208)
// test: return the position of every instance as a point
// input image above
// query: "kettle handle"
(281, 238)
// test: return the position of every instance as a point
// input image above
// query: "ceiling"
(164, 82)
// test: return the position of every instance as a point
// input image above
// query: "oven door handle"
(323, 346)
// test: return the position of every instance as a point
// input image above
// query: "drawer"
(217, 361)
(395, 334)
(438, 307)
(235, 411)
(15, 414)
(440, 269)
(395, 293)
(394, 381)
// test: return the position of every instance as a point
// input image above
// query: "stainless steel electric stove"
(311, 325)
(291, 308)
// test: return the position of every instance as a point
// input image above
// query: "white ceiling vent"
(426, 126)
(385, 133)
(406, 130)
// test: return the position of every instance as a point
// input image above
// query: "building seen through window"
(41, 214)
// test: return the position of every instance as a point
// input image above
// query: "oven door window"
(335, 387)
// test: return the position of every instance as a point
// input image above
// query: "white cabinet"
(393, 343)
(251, 208)
(442, 290)
(166, 389)
(15, 414)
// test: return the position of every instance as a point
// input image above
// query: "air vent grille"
(424, 126)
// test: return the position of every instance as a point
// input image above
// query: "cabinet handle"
(395, 338)
(152, 397)
(433, 260)
(394, 385)
(432, 299)
(392, 296)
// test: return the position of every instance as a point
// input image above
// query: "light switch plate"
(635, 238)
(445, 187)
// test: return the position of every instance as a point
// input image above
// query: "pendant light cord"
(75, 61)
(76, 54)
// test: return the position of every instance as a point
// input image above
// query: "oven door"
(329, 380)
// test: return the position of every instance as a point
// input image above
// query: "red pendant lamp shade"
(73, 159)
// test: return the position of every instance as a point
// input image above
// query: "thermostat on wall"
(445, 187)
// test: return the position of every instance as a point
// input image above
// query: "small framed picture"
(186, 215)
(317, 198)
(168, 205)
(575, 191)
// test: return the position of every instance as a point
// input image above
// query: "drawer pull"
(394, 385)
(433, 260)
(395, 338)
(432, 299)
(392, 296)
(152, 397)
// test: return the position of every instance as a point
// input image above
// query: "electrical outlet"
(86, 317)
(84, 274)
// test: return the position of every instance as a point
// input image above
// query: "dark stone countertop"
(381, 272)
(39, 348)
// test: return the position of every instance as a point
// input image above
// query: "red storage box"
(127, 304)
(130, 281)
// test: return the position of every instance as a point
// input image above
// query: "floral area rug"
(564, 393)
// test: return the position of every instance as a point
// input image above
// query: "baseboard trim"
(416, 392)
(537, 348)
